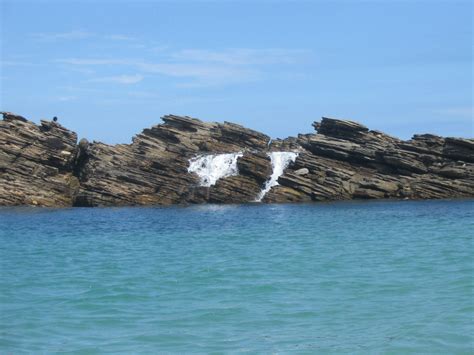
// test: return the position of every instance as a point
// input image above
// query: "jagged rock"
(460, 149)
(332, 148)
(434, 187)
(234, 189)
(254, 170)
(404, 162)
(368, 193)
(457, 171)
(36, 163)
(153, 169)
(335, 127)
(42, 165)
(285, 145)
(256, 165)
(346, 161)
(284, 194)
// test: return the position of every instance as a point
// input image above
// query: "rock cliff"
(44, 165)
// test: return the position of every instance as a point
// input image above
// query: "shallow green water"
(380, 277)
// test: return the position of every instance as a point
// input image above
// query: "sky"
(109, 69)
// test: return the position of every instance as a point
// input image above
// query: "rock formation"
(36, 163)
(43, 165)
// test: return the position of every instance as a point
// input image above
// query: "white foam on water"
(213, 167)
(280, 161)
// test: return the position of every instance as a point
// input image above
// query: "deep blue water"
(356, 277)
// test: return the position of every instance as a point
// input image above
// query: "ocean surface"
(353, 277)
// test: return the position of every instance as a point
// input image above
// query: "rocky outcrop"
(44, 165)
(36, 163)
(153, 169)
(346, 160)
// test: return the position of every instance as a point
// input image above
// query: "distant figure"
(55, 119)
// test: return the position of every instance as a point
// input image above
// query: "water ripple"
(357, 277)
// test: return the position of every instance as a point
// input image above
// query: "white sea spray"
(280, 161)
(213, 167)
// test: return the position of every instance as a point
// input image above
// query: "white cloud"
(82, 61)
(79, 34)
(241, 56)
(212, 74)
(67, 98)
(12, 63)
(199, 68)
(119, 79)
(204, 74)
(72, 35)
(118, 37)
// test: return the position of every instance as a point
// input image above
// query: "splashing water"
(280, 161)
(213, 167)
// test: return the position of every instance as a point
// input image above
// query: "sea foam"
(213, 167)
(280, 161)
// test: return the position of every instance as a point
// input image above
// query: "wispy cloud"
(80, 35)
(197, 67)
(201, 74)
(211, 74)
(119, 79)
(189, 68)
(118, 37)
(12, 63)
(461, 111)
(241, 56)
(85, 61)
(67, 98)
(71, 35)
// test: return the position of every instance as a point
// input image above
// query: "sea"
(360, 277)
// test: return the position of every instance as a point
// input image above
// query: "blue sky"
(108, 69)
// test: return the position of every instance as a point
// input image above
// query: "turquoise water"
(378, 277)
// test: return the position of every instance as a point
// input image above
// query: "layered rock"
(154, 168)
(345, 160)
(44, 165)
(36, 163)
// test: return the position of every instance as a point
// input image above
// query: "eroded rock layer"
(36, 163)
(44, 165)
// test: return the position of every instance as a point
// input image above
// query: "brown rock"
(36, 163)
(41, 165)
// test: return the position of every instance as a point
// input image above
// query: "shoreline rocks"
(43, 165)
(36, 163)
